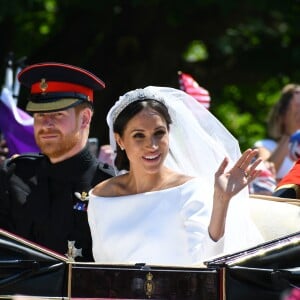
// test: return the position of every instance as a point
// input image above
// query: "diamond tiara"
(130, 97)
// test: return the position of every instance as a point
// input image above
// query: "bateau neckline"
(149, 192)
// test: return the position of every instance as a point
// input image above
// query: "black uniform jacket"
(47, 203)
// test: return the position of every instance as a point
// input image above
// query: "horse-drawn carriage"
(265, 272)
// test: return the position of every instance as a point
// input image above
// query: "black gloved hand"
(18, 189)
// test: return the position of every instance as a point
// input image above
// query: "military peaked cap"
(56, 86)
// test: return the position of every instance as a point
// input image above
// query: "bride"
(179, 198)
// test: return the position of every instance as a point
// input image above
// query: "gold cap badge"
(43, 85)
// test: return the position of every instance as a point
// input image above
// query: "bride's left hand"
(229, 183)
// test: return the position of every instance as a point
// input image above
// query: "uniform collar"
(71, 168)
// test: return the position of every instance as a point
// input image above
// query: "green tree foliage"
(243, 52)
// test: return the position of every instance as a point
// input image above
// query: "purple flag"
(16, 126)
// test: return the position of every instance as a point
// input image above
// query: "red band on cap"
(57, 86)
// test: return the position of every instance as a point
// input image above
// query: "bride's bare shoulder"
(179, 179)
(109, 188)
(175, 179)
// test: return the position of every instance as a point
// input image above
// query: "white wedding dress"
(170, 226)
(167, 227)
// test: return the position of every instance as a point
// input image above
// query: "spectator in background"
(283, 121)
(106, 154)
(265, 183)
(289, 185)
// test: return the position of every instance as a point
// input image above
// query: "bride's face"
(145, 140)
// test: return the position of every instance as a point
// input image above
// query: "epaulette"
(23, 158)
(106, 168)
(24, 164)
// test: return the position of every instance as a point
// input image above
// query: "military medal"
(83, 201)
(73, 252)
